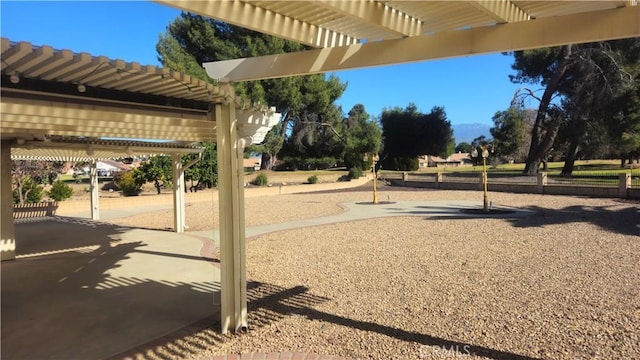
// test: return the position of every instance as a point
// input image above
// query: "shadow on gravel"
(277, 302)
(623, 221)
(268, 304)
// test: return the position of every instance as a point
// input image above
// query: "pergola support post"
(233, 302)
(178, 194)
(95, 206)
(7, 229)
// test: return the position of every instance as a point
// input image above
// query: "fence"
(35, 210)
(623, 185)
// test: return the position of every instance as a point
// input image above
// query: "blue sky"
(471, 89)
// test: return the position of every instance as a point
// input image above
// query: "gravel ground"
(563, 283)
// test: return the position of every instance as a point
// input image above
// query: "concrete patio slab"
(85, 290)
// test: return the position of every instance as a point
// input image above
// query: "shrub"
(130, 182)
(313, 179)
(402, 163)
(355, 173)
(60, 191)
(261, 180)
(110, 185)
(31, 192)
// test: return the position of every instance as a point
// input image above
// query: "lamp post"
(375, 159)
(485, 154)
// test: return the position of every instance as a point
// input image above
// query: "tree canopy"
(409, 133)
(192, 40)
(508, 131)
(579, 82)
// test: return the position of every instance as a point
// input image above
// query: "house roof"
(460, 157)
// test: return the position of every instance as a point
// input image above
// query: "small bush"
(261, 180)
(31, 192)
(130, 182)
(60, 191)
(110, 186)
(355, 173)
(313, 179)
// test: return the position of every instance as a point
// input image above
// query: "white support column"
(178, 194)
(7, 230)
(233, 311)
(95, 191)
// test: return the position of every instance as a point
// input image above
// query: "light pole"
(375, 159)
(485, 154)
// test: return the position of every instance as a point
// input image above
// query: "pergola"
(89, 149)
(345, 35)
(60, 105)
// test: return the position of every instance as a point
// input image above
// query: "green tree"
(508, 131)
(408, 133)
(316, 132)
(623, 132)
(463, 147)
(130, 182)
(584, 74)
(205, 171)
(158, 169)
(60, 191)
(191, 40)
(363, 136)
(27, 175)
(28, 192)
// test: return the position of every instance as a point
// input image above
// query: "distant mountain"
(468, 132)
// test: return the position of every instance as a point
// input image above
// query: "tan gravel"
(563, 283)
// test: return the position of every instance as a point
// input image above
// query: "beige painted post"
(178, 194)
(233, 285)
(95, 206)
(439, 179)
(624, 184)
(541, 182)
(7, 230)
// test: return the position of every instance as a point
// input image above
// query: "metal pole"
(375, 176)
(484, 180)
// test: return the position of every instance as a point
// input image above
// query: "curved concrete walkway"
(355, 211)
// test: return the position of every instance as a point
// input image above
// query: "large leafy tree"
(158, 170)
(586, 75)
(363, 136)
(203, 172)
(508, 131)
(192, 40)
(594, 103)
(408, 133)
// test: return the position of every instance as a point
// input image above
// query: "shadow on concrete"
(86, 290)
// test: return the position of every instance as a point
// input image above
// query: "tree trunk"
(267, 161)
(570, 158)
(21, 196)
(537, 151)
